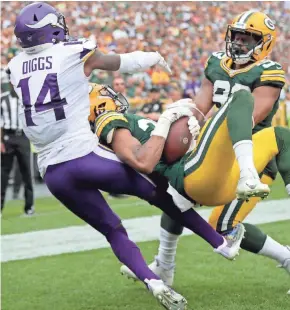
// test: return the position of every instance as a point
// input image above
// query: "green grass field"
(91, 281)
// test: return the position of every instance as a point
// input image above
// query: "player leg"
(164, 261)
(239, 121)
(212, 171)
(224, 218)
(132, 183)
(71, 183)
(129, 182)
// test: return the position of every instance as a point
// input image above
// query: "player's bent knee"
(243, 96)
(113, 231)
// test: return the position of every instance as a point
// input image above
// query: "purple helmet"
(39, 26)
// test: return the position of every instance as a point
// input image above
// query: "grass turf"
(91, 281)
(52, 214)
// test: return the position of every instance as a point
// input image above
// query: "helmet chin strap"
(244, 58)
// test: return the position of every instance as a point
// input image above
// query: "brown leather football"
(178, 140)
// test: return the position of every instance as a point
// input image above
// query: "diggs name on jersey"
(39, 63)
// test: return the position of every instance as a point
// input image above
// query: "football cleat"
(166, 296)
(251, 187)
(230, 248)
(125, 271)
(166, 275)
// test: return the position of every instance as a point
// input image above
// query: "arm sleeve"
(107, 123)
(271, 77)
(83, 48)
(208, 67)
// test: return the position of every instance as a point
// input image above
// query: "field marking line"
(83, 238)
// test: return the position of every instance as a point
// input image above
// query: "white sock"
(244, 155)
(275, 250)
(288, 189)
(167, 249)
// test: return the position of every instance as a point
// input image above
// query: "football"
(178, 140)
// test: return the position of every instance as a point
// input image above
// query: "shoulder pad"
(218, 55)
(270, 65)
(272, 74)
(109, 117)
(82, 46)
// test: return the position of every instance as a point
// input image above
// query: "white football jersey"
(54, 93)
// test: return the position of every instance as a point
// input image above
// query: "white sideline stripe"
(83, 238)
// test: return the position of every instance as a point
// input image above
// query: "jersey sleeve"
(107, 123)
(272, 75)
(82, 48)
(210, 66)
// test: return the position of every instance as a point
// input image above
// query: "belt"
(15, 132)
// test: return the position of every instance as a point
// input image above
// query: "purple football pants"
(76, 184)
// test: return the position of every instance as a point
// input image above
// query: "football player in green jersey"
(208, 175)
(143, 150)
(249, 40)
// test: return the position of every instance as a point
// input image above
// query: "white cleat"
(166, 275)
(230, 248)
(251, 187)
(166, 296)
(125, 271)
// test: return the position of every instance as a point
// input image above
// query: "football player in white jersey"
(50, 77)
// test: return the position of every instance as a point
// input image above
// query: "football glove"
(193, 126)
(167, 118)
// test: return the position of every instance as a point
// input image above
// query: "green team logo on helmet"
(269, 23)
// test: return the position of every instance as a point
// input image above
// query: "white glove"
(193, 126)
(185, 103)
(161, 62)
(140, 61)
(167, 118)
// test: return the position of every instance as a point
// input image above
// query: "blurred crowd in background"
(185, 33)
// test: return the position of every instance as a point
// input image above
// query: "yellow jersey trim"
(227, 62)
(108, 119)
(84, 59)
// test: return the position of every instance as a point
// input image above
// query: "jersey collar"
(226, 64)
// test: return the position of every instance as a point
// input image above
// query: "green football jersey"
(227, 81)
(141, 129)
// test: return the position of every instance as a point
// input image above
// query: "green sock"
(283, 158)
(170, 225)
(254, 239)
(239, 116)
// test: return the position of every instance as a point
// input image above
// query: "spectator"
(175, 93)
(160, 78)
(185, 33)
(152, 108)
(192, 86)
(119, 85)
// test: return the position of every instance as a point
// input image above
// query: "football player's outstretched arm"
(264, 100)
(142, 158)
(125, 63)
